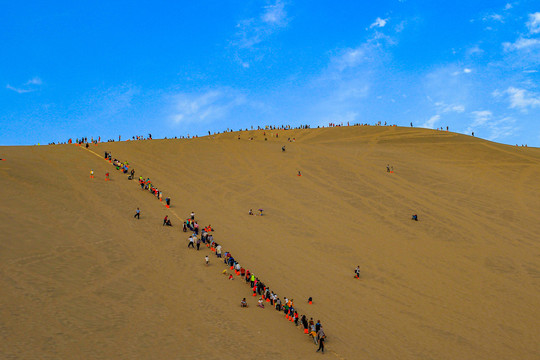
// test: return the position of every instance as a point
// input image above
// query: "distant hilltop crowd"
(84, 139)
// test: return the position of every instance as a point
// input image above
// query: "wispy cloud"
(255, 30)
(481, 117)
(520, 98)
(445, 108)
(275, 14)
(19, 90)
(379, 23)
(371, 50)
(34, 81)
(493, 17)
(29, 86)
(430, 123)
(521, 44)
(534, 23)
(205, 107)
(493, 127)
(251, 33)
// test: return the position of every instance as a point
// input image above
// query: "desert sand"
(80, 278)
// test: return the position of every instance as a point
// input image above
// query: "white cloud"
(370, 50)
(19, 90)
(475, 50)
(29, 86)
(34, 81)
(467, 70)
(253, 31)
(275, 14)
(481, 117)
(205, 107)
(443, 108)
(379, 23)
(493, 17)
(496, 128)
(431, 122)
(534, 23)
(508, 6)
(521, 44)
(521, 98)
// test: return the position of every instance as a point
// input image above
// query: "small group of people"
(206, 237)
(146, 184)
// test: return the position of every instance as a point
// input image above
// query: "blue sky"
(85, 68)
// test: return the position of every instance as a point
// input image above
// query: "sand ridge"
(463, 282)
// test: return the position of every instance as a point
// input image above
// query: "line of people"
(314, 330)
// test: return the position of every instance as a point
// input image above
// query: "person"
(312, 332)
(243, 303)
(92, 174)
(299, 173)
(165, 220)
(278, 304)
(169, 222)
(283, 148)
(318, 326)
(310, 300)
(218, 251)
(198, 244)
(304, 323)
(191, 243)
(261, 303)
(106, 176)
(192, 215)
(137, 213)
(260, 212)
(250, 212)
(387, 167)
(205, 258)
(184, 227)
(321, 336)
(357, 272)
(414, 217)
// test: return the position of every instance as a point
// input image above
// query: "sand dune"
(81, 278)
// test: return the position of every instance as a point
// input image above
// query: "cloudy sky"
(172, 68)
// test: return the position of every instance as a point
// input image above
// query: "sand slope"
(81, 278)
